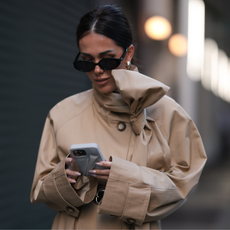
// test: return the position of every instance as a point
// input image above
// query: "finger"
(73, 174)
(100, 171)
(106, 164)
(71, 164)
(72, 181)
(68, 161)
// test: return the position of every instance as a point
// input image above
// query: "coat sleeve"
(50, 184)
(140, 194)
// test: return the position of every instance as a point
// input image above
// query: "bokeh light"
(178, 45)
(196, 25)
(158, 28)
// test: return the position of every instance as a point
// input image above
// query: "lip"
(102, 81)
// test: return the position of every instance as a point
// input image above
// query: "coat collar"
(135, 92)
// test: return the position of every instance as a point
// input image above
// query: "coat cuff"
(59, 191)
(122, 197)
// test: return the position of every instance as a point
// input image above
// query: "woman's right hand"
(72, 170)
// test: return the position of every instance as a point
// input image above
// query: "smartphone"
(86, 156)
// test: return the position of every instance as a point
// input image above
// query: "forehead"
(97, 43)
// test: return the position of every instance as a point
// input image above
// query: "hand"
(72, 170)
(102, 174)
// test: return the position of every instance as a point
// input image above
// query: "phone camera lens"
(82, 152)
(76, 153)
(79, 153)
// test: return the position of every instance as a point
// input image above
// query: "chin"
(106, 90)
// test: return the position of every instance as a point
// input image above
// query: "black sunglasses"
(104, 63)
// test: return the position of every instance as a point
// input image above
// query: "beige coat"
(157, 159)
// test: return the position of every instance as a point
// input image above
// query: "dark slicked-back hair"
(109, 21)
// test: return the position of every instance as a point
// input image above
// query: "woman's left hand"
(102, 174)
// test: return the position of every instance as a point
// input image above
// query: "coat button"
(121, 126)
(70, 209)
(131, 221)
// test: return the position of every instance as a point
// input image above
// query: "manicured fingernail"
(94, 175)
(69, 159)
(92, 171)
(99, 163)
(77, 174)
(73, 181)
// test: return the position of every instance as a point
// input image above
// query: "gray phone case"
(87, 161)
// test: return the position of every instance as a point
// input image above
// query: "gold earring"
(128, 65)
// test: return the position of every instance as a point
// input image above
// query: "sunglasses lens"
(84, 66)
(105, 64)
(109, 63)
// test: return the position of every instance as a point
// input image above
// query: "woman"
(154, 151)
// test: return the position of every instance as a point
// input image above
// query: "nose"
(98, 70)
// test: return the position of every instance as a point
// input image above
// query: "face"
(94, 47)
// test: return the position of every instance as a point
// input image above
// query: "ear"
(130, 53)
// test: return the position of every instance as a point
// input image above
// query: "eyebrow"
(104, 52)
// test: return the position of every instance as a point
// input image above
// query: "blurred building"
(38, 47)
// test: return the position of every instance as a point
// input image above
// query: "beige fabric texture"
(156, 160)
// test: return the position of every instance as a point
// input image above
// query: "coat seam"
(60, 195)
(146, 186)
(73, 117)
(126, 204)
(162, 130)
(158, 124)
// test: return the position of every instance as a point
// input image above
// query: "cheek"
(112, 85)
(122, 65)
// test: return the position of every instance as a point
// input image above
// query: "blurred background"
(182, 43)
